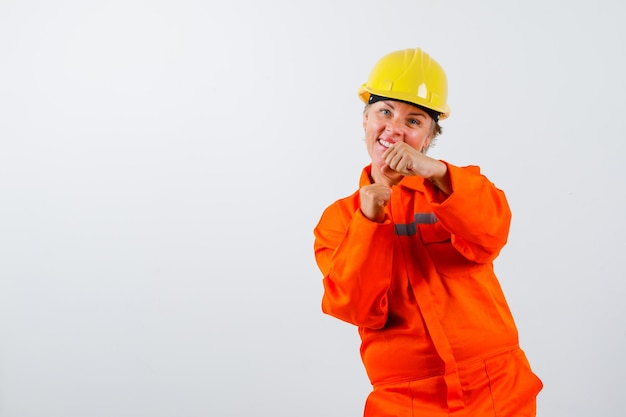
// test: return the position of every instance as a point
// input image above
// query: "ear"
(365, 117)
(426, 144)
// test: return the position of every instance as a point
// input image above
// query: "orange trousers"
(499, 386)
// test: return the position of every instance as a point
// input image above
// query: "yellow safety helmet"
(409, 75)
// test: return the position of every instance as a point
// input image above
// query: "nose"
(394, 127)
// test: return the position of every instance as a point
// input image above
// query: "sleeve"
(355, 257)
(476, 213)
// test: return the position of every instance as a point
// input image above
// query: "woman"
(408, 258)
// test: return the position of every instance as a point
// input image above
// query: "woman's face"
(387, 122)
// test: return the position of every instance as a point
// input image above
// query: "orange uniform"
(437, 335)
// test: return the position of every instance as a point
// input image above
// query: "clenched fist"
(406, 160)
(374, 198)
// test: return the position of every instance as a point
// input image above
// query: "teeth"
(384, 143)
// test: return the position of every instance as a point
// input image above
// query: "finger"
(386, 169)
(383, 199)
(392, 149)
(394, 161)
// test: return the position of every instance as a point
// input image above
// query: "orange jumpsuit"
(437, 335)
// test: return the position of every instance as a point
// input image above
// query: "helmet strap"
(432, 113)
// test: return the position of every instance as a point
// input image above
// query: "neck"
(385, 175)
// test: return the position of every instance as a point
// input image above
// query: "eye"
(385, 112)
(414, 122)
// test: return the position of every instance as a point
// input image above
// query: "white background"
(163, 164)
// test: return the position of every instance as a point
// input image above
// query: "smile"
(384, 143)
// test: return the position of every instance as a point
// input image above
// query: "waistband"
(466, 365)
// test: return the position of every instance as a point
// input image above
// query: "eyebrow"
(388, 103)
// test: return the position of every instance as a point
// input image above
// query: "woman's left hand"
(406, 160)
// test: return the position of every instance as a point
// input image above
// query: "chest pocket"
(447, 260)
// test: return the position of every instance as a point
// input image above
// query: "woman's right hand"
(374, 198)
